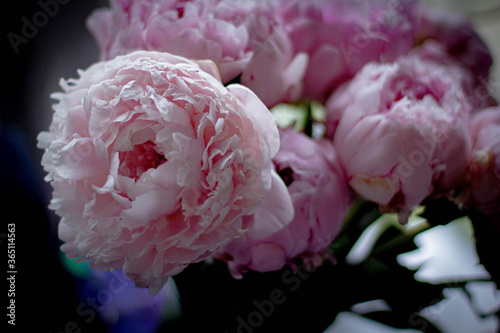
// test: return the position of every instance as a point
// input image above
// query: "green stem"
(308, 122)
(407, 236)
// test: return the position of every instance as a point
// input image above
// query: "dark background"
(45, 293)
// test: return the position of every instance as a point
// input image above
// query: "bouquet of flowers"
(242, 148)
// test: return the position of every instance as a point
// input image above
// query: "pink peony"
(455, 34)
(242, 37)
(400, 130)
(154, 164)
(321, 199)
(179, 27)
(455, 31)
(476, 89)
(484, 169)
(341, 36)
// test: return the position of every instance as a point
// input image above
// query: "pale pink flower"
(154, 164)
(484, 170)
(242, 37)
(179, 27)
(341, 36)
(320, 197)
(400, 130)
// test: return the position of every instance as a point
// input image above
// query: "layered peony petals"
(400, 129)
(154, 164)
(341, 36)
(320, 199)
(247, 40)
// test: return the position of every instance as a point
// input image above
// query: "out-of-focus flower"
(154, 163)
(400, 130)
(321, 199)
(342, 36)
(476, 89)
(454, 33)
(242, 37)
(483, 186)
(113, 298)
(454, 30)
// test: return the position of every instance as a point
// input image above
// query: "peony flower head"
(456, 42)
(185, 28)
(154, 163)
(400, 130)
(342, 36)
(483, 187)
(455, 32)
(320, 198)
(245, 39)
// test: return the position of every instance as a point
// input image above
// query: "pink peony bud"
(341, 36)
(400, 130)
(242, 37)
(154, 164)
(320, 197)
(484, 169)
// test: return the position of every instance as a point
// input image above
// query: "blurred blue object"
(113, 298)
(17, 167)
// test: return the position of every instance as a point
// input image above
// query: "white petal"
(150, 205)
(276, 211)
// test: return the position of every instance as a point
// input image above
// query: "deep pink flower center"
(140, 159)
(180, 12)
(286, 173)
